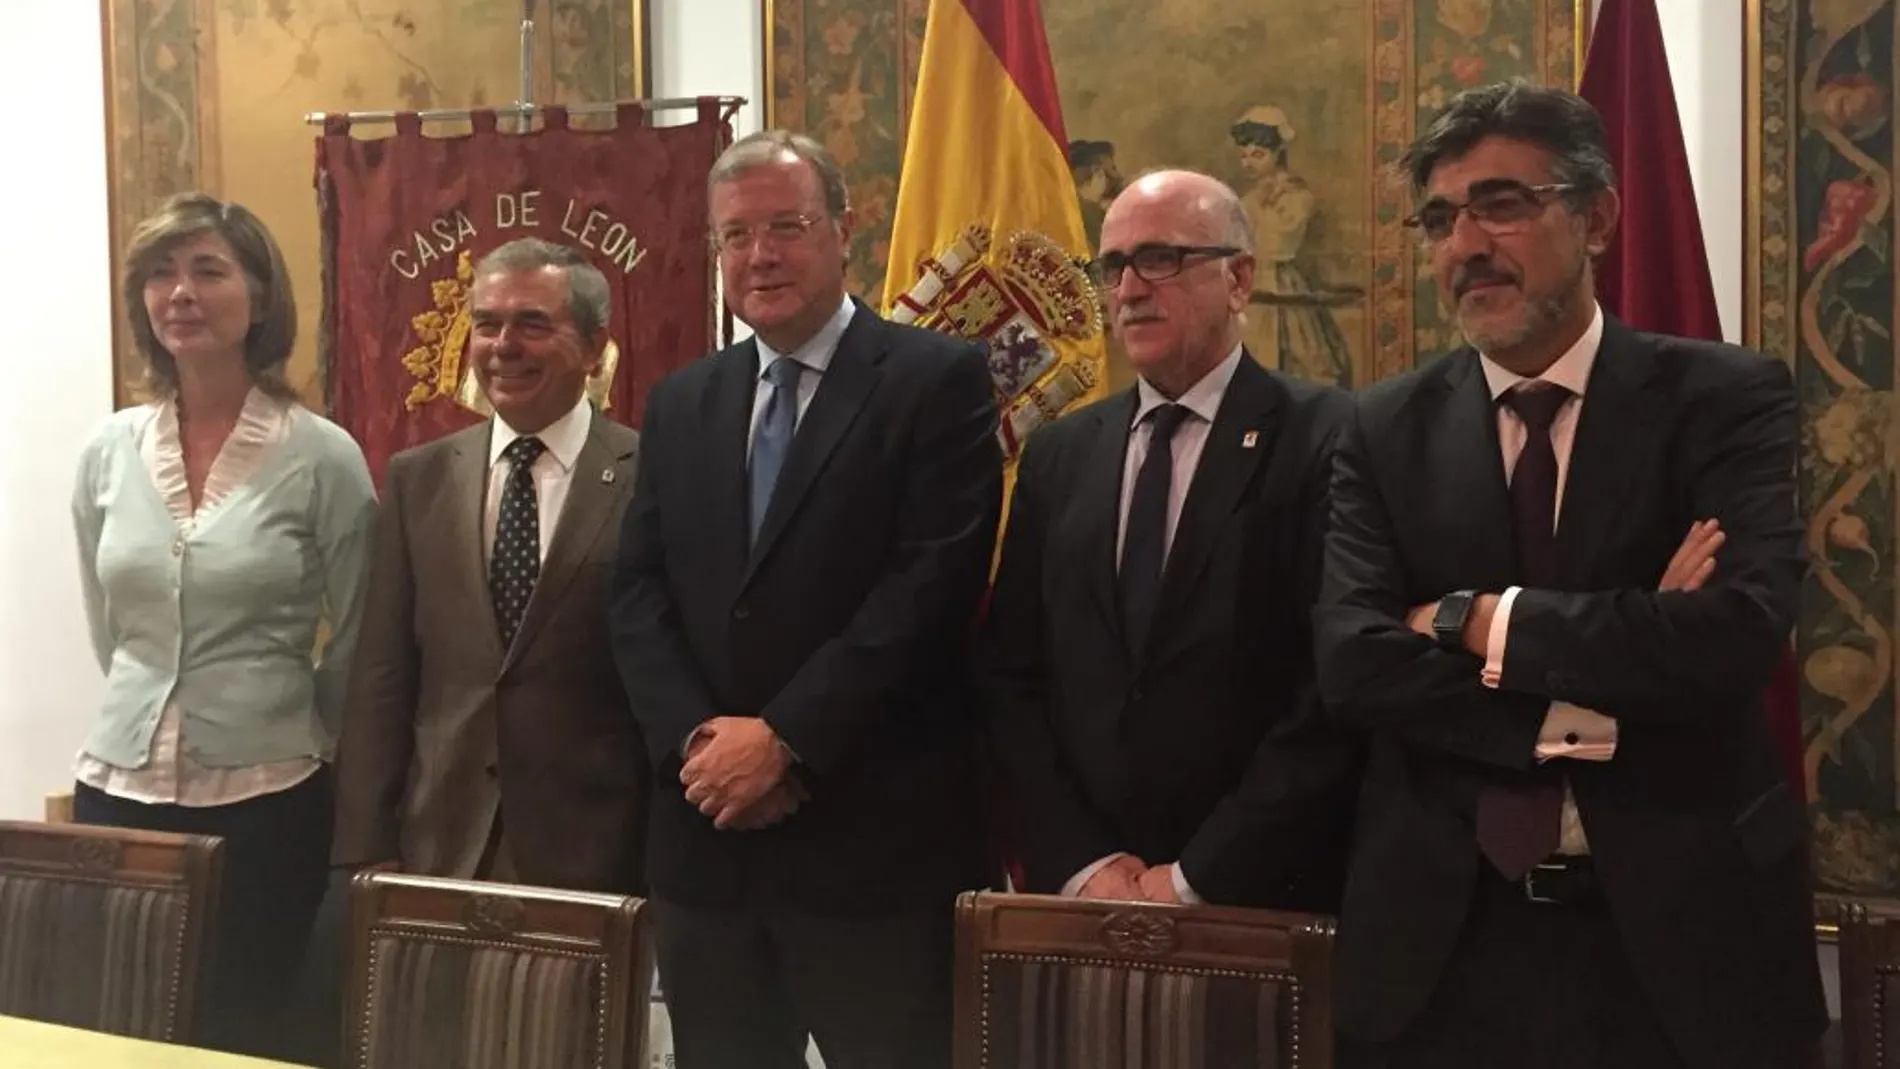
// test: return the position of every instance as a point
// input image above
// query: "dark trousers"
(276, 868)
(745, 987)
(1530, 986)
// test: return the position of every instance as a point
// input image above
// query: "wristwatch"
(1448, 623)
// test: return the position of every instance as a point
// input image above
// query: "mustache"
(1479, 271)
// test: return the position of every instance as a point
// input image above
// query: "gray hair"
(1556, 120)
(772, 146)
(589, 301)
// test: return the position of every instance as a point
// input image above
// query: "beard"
(1540, 315)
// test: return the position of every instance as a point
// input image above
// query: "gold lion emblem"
(438, 362)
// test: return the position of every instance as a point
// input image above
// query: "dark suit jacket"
(1697, 839)
(1207, 746)
(848, 628)
(443, 728)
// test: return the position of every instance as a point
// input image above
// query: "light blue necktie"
(774, 437)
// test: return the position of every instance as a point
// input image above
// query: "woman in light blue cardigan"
(219, 526)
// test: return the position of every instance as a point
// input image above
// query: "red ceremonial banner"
(406, 218)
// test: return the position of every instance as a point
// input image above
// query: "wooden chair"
(1869, 942)
(1062, 983)
(105, 928)
(451, 973)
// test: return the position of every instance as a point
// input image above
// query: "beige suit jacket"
(445, 731)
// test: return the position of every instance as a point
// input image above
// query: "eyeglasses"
(740, 237)
(1498, 209)
(1153, 263)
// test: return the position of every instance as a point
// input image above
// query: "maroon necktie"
(1519, 824)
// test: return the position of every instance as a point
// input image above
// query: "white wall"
(58, 385)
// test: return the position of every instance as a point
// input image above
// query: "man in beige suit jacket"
(486, 734)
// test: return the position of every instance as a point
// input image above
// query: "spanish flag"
(988, 241)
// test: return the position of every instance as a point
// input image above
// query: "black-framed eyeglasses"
(1498, 207)
(1154, 262)
(739, 237)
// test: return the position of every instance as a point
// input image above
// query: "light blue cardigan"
(224, 618)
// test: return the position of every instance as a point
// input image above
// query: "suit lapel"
(467, 490)
(842, 390)
(1616, 435)
(1248, 416)
(1099, 499)
(592, 490)
(1477, 503)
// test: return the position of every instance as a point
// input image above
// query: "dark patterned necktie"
(1520, 824)
(515, 563)
(1145, 542)
(773, 439)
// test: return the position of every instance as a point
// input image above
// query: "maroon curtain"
(406, 217)
(1655, 274)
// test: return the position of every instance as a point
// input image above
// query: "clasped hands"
(739, 773)
(1689, 569)
(1126, 879)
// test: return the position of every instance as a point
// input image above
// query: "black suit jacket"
(1697, 839)
(1206, 747)
(848, 629)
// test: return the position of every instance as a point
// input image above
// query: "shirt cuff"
(1494, 642)
(1182, 889)
(1576, 733)
(686, 745)
(1081, 879)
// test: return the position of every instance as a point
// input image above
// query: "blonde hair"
(273, 307)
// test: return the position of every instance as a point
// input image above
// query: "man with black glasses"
(1563, 562)
(1147, 655)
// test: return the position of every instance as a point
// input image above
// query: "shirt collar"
(563, 438)
(1203, 398)
(1571, 371)
(817, 351)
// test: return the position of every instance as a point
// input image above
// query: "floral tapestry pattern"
(1340, 295)
(1821, 288)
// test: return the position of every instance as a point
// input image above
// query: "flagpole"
(525, 102)
(524, 107)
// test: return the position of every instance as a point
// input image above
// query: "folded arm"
(1661, 655)
(1373, 668)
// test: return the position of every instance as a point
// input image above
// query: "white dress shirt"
(1202, 400)
(1569, 731)
(552, 472)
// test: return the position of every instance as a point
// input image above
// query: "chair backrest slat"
(449, 972)
(105, 928)
(1062, 983)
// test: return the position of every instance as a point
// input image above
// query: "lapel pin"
(606, 475)
(1250, 439)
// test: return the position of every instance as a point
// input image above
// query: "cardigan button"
(178, 548)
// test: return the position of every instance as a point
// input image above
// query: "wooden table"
(35, 1045)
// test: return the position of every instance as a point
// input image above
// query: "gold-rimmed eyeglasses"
(741, 237)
